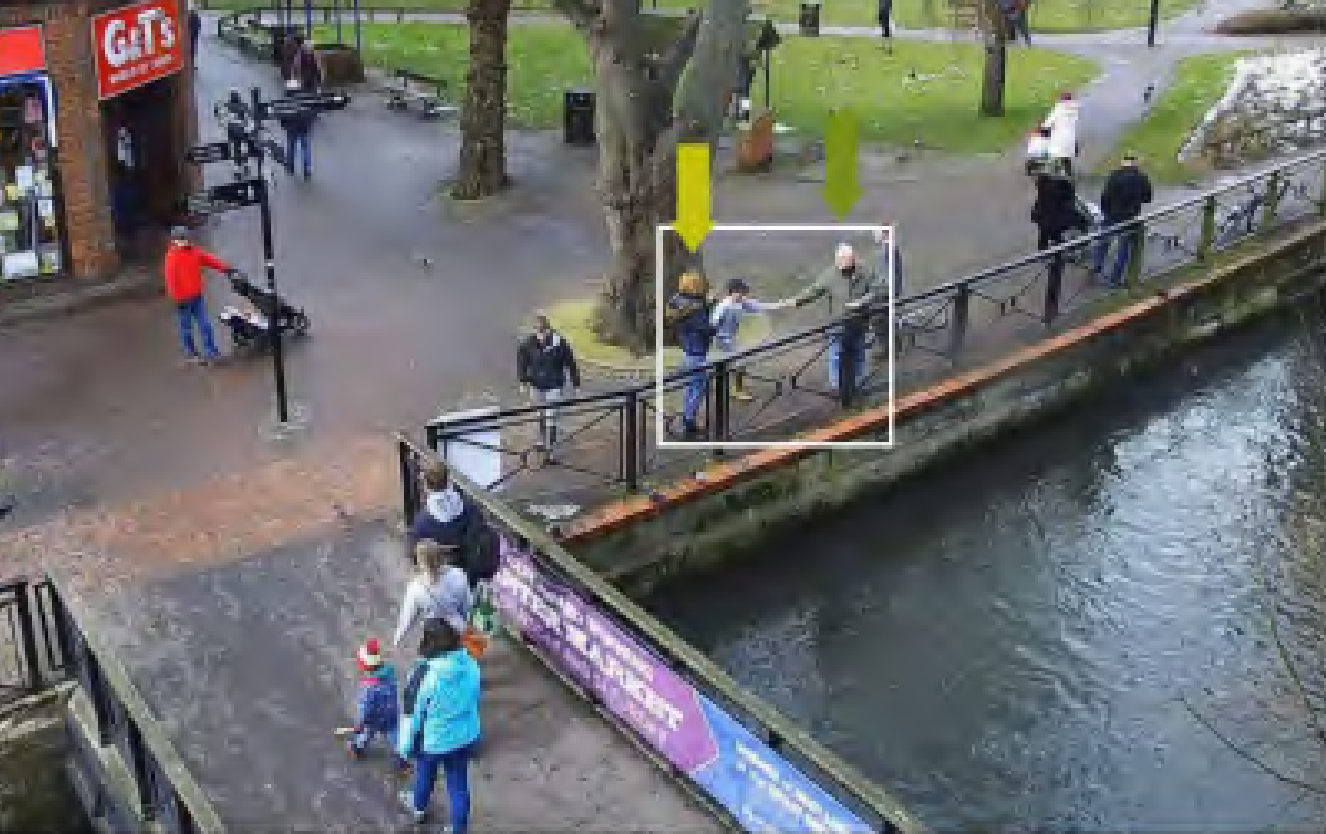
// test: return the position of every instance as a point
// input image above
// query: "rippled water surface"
(1016, 641)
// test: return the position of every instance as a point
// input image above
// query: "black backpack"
(675, 317)
(483, 548)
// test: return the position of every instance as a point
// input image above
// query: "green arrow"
(841, 189)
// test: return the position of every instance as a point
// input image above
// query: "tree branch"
(582, 13)
(670, 66)
(1250, 757)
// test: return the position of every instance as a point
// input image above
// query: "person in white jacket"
(439, 590)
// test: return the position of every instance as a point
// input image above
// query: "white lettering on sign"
(123, 43)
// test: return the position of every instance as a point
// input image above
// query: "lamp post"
(1151, 25)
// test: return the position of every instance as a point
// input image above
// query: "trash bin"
(578, 117)
(810, 19)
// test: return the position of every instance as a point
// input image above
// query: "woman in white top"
(439, 590)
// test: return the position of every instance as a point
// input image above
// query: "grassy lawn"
(1046, 15)
(1199, 82)
(811, 77)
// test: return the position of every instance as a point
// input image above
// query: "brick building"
(96, 111)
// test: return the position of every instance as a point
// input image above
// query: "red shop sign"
(136, 44)
(21, 51)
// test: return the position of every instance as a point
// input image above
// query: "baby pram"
(252, 331)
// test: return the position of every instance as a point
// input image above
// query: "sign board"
(21, 51)
(137, 44)
(226, 197)
(296, 105)
(476, 455)
(211, 152)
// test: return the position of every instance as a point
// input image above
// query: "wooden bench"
(413, 91)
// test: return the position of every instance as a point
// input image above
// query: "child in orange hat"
(378, 708)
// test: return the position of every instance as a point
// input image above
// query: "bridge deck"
(250, 665)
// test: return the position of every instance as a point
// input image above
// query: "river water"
(1019, 640)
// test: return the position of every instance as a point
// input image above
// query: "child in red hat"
(378, 710)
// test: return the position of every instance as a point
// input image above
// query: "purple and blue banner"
(762, 790)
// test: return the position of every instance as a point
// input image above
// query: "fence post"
(1054, 283)
(31, 659)
(722, 405)
(1321, 203)
(1208, 228)
(405, 455)
(142, 772)
(1138, 233)
(1272, 200)
(957, 336)
(630, 450)
(400, 15)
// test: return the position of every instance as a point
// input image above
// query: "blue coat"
(378, 707)
(690, 313)
(448, 706)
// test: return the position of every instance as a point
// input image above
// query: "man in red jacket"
(183, 272)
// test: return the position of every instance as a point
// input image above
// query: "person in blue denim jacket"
(377, 711)
(443, 730)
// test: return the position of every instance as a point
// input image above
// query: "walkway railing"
(611, 438)
(165, 793)
(33, 653)
(750, 764)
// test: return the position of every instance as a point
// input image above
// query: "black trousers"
(1050, 238)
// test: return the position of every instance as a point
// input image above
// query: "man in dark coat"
(1126, 191)
(885, 22)
(546, 366)
(1054, 213)
(298, 128)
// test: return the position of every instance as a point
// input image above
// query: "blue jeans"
(298, 142)
(696, 385)
(189, 312)
(455, 767)
(852, 344)
(1127, 239)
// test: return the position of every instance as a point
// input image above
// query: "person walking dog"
(183, 273)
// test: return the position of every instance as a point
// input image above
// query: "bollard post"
(1138, 233)
(630, 450)
(1208, 228)
(958, 325)
(1272, 201)
(142, 773)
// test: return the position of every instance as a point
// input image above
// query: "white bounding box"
(661, 297)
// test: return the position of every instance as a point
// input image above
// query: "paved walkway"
(237, 607)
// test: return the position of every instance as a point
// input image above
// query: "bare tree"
(482, 169)
(653, 92)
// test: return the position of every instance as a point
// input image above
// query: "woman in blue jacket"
(443, 730)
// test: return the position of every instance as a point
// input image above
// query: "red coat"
(183, 271)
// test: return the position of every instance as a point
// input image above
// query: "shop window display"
(30, 230)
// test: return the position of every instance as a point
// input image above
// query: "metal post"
(1054, 282)
(1208, 228)
(405, 455)
(1272, 201)
(1151, 25)
(28, 636)
(308, 19)
(142, 772)
(1138, 233)
(961, 312)
(336, 4)
(722, 405)
(269, 263)
(768, 89)
(359, 44)
(631, 442)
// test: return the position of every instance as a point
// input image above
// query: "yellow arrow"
(693, 223)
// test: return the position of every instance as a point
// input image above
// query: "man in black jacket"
(546, 366)
(1121, 200)
(298, 128)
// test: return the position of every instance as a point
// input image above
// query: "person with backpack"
(686, 322)
(377, 711)
(443, 728)
(455, 523)
(439, 590)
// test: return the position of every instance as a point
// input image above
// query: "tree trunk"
(482, 169)
(994, 32)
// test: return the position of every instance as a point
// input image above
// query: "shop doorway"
(146, 175)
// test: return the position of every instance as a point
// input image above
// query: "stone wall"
(35, 795)
(693, 526)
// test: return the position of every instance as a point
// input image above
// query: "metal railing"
(865, 802)
(166, 794)
(33, 652)
(610, 438)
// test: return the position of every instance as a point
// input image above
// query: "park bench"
(411, 90)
